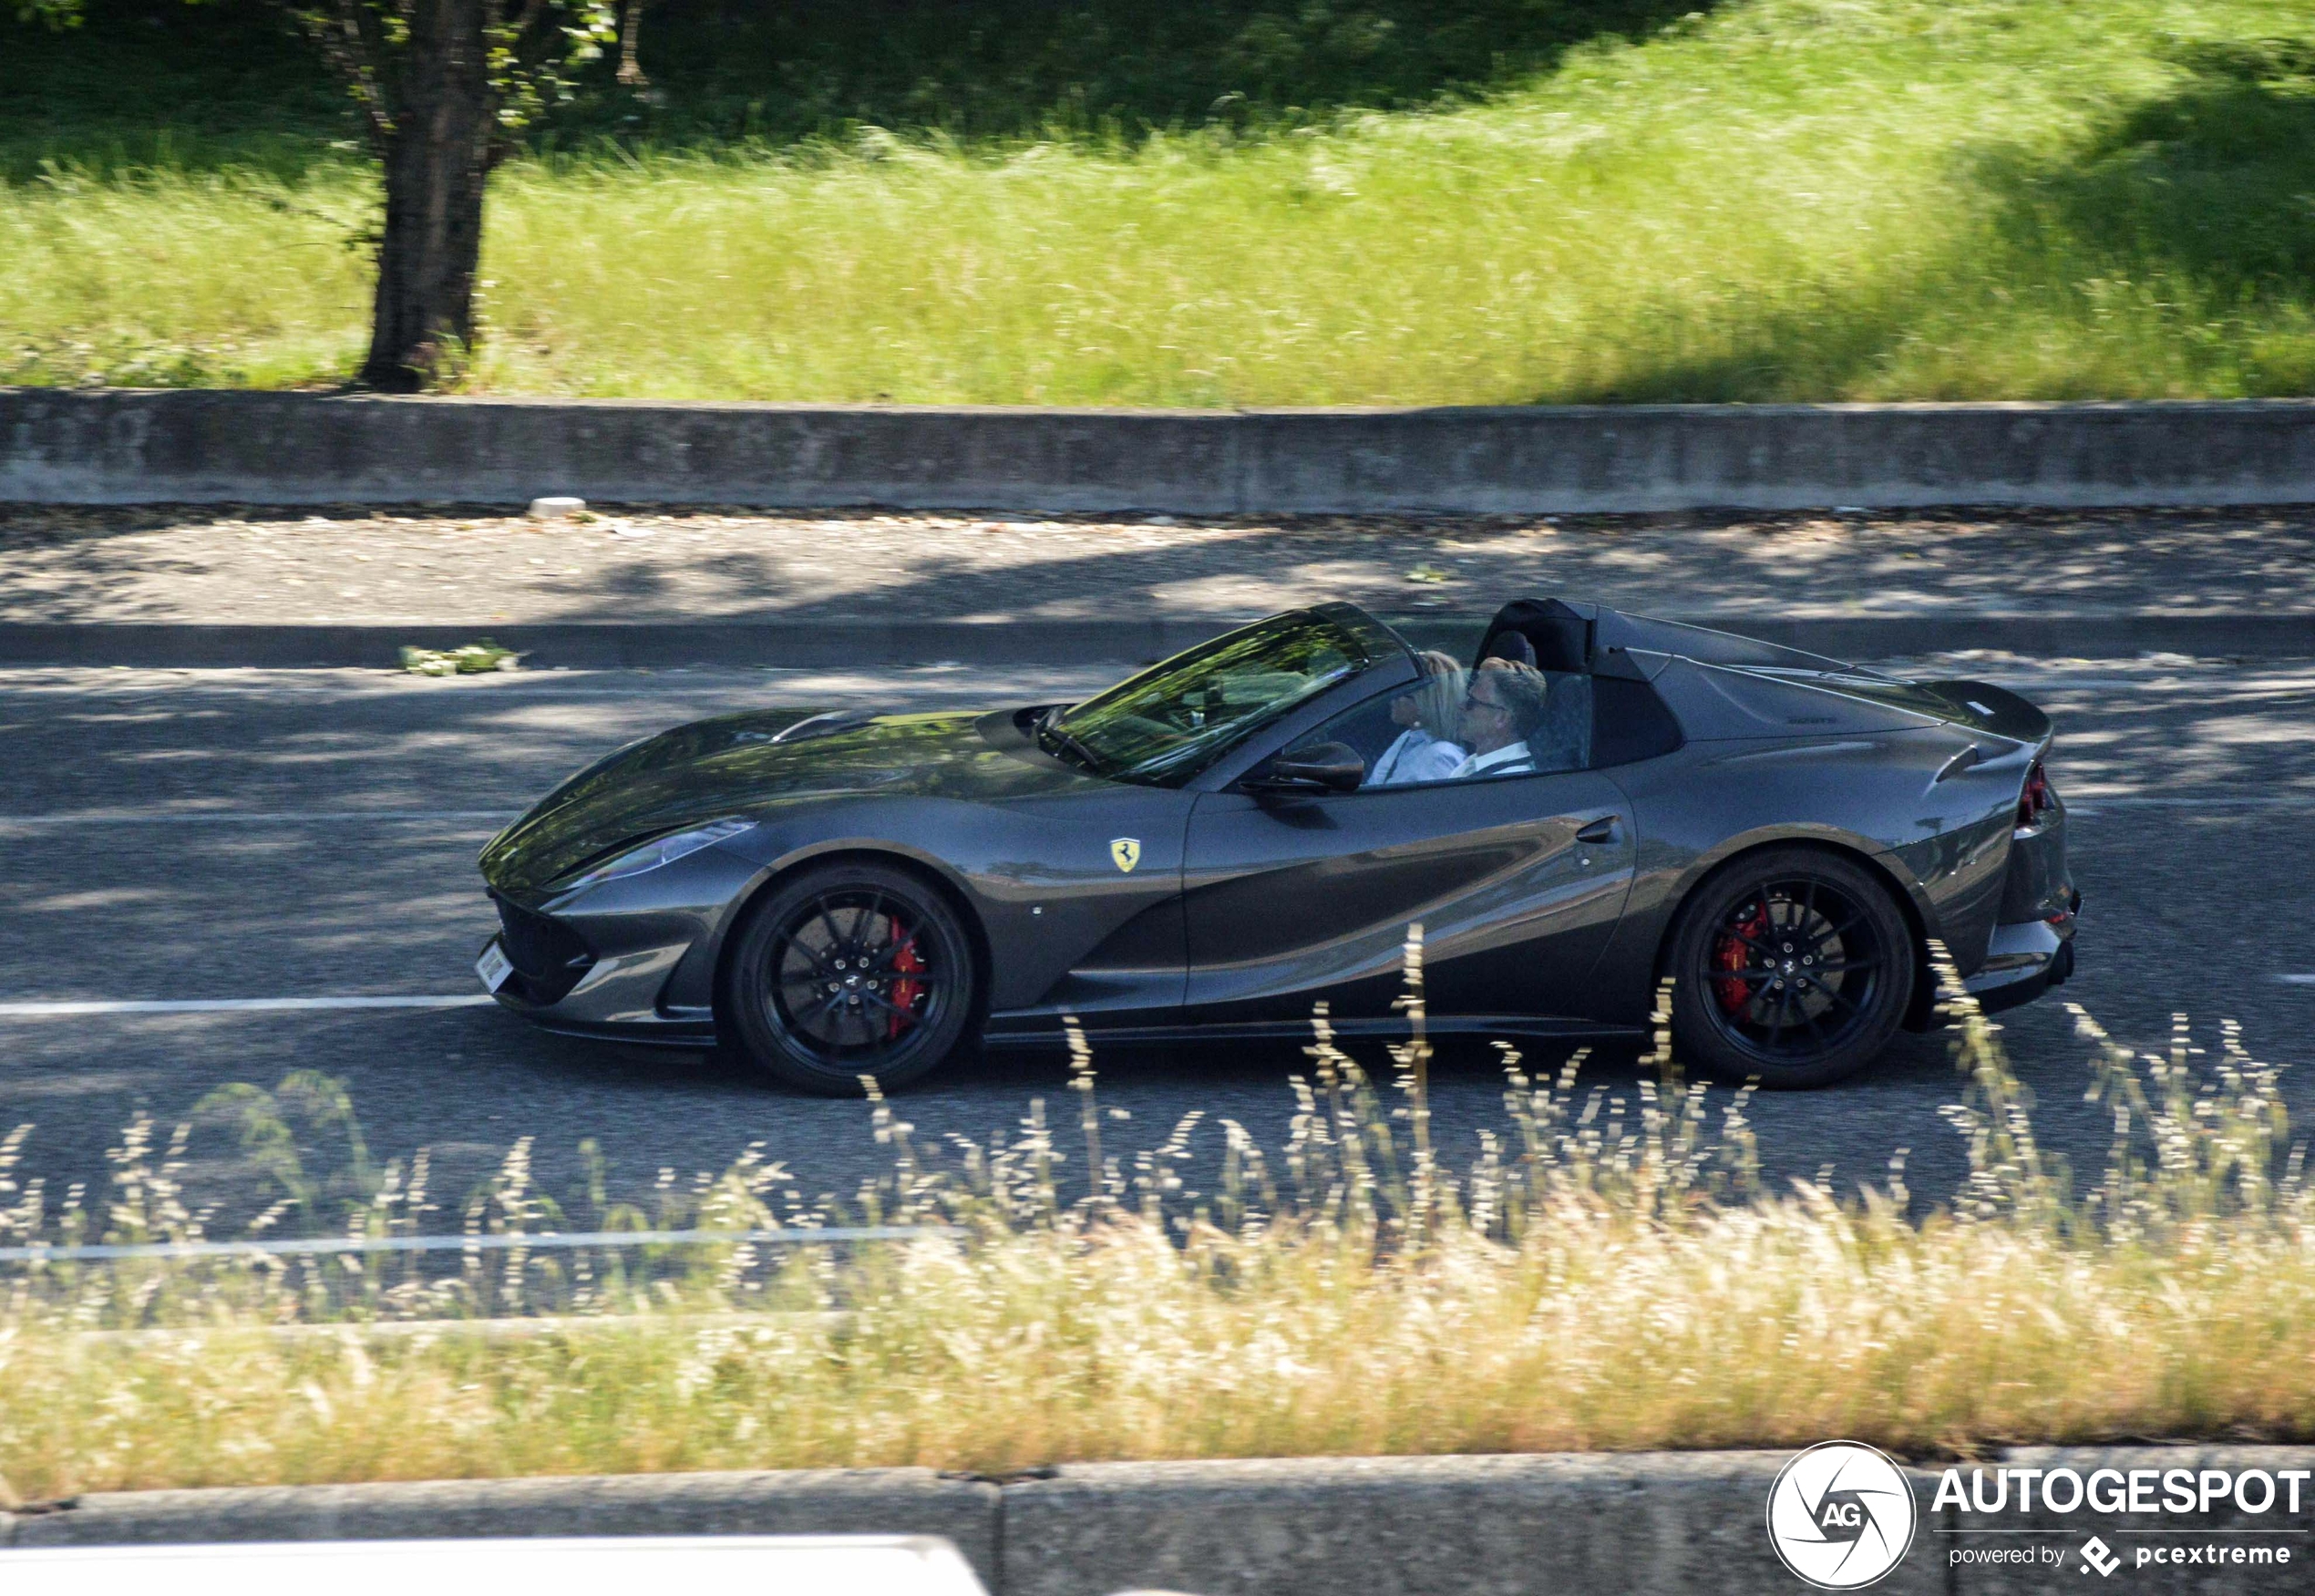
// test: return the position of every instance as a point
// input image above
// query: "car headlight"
(658, 852)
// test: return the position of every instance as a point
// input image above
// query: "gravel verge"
(453, 566)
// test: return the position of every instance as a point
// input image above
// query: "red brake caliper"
(1733, 953)
(908, 962)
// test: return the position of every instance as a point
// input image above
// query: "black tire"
(1792, 967)
(848, 970)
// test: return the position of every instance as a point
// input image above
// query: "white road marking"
(251, 816)
(2297, 980)
(213, 1005)
(988, 685)
(2262, 801)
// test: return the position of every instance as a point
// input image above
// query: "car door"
(1081, 893)
(1518, 882)
(1086, 900)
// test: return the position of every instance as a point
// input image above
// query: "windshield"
(1165, 724)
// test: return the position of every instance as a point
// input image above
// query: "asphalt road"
(178, 836)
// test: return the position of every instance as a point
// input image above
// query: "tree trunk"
(436, 159)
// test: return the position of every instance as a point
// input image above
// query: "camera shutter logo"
(1841, 1514)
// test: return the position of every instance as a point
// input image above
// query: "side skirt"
(687, 1038)
(1043, 1030)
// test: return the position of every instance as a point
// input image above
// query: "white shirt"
(1414, 755)
(1511, 759)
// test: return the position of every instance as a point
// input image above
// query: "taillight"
(2034, 801)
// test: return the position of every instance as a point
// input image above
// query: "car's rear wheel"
(851, 969)
(1791, 967)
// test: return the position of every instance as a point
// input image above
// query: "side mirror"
(1325, 767)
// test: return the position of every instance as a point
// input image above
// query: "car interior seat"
(1542, 633)
(1557, 641)
(1513, 646)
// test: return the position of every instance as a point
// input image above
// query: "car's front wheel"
(846, 971)
(1792, 967)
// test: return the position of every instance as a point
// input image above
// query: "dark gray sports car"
(1593, 802)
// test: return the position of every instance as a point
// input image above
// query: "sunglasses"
(1472, 701)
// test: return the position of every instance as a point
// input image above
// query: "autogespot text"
(2158, 1494)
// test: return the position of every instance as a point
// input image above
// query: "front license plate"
(494, 966)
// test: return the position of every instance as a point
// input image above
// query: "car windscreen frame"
(1391, 662)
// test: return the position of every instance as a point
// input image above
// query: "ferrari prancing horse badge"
(1127, 851)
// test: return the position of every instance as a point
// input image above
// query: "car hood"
(749, 766)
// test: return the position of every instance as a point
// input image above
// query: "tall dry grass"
(1608, 1273)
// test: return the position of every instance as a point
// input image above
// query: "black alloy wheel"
(1792, 967)
(846, 971)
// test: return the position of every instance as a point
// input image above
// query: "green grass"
(1783, 200)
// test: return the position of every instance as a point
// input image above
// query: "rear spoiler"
(1989, 708)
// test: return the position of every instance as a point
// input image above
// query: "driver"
(1502, 709)
(1427, 749)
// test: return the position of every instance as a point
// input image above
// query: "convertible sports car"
(1207, 849)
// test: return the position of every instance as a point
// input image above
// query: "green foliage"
(267, 1131)
(725, 70)
(285, 70)
(466, 660)
(169, 86)
(1782, 200)
(1009, 68)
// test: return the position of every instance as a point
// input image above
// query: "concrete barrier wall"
(1643, 1524)
(99, 448)
(1635, 1524)
(832, 1501)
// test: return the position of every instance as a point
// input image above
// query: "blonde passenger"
(1430, 711)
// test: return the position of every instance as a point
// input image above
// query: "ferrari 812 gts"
(1596, 802)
